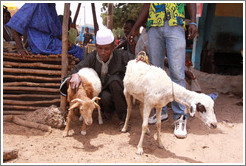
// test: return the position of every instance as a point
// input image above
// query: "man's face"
(104, 51)
(127, 28)
(86, 30)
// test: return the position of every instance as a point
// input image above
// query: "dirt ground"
(105, 144)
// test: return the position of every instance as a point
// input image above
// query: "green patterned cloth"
(173, 12)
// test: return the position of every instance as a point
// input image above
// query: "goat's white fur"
(93, 78)
(154, 89)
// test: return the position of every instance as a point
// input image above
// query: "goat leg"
(83, 131)
(146, 112)
(158, 125)
(129, 110)
(69, 118)
(100, 121)
(141, 113)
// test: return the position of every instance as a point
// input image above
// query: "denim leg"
(175, 43)
(157, 50)
(163, 110)
(172, 39)
(157, 46)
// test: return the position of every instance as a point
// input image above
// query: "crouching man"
(110, 65)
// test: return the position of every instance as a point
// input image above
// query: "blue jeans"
(172, 40)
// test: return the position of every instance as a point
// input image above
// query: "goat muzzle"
(88, 122)
(214, 125)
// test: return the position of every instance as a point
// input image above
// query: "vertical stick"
(76, 16)
(64, 63)
(94, 18)
(110, 16)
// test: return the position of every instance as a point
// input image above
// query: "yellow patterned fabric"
(173, 12)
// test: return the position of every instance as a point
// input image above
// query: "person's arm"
(132, 46)
(192, 28)
(91, 38)
(141, 18)
(6, 35)
(75, 79)
(20, 49)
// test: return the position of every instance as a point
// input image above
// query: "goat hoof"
(100, 122)
(64, 134)
(140, 151)
(160, 146)
(123, 130)
(83, 132)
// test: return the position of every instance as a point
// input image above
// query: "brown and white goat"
(154, 89)
(84, 99)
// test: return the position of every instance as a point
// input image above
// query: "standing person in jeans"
(166, 31)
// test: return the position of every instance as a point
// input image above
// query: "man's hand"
(192, 31)
(192, 28)
(75, 81)
(190, 75)
(130, 37)
(23, 52)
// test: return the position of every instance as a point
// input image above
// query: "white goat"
(154, 89)
(84, 98)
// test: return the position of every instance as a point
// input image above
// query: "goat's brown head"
(86, 108)
(204, 104)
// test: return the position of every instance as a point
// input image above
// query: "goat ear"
(74, 105)
(200, 108)
(95, 98)
(78, 100)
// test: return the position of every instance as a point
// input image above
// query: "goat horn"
(75, 105)
(95, 98)
(98, 107)
(78, 100)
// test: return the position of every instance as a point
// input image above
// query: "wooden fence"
(32, 82)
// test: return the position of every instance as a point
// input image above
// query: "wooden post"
(76, 16)
(64, 67)
(110, 16)
(94, 18)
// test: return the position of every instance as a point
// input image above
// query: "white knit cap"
(104, 36)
